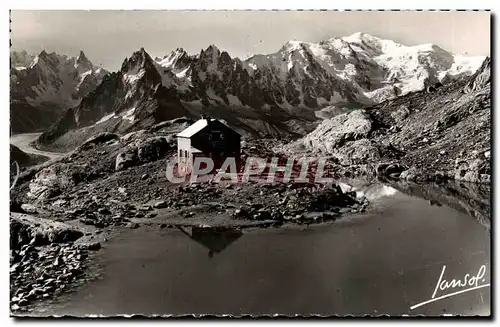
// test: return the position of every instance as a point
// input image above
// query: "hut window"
(180, 153)
(185, 153)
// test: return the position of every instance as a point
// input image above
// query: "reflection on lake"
(215, 239)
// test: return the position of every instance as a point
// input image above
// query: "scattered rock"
(39, 272)
(104, 211)
(160, 204)
(133, 225)
(400, 114)
(145, 208)
(24, 228)
(92, 246)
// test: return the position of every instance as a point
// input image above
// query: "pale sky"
(107, 37)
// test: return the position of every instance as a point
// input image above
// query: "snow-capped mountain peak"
(83, 64)
(359, 68)
(56, 79)
(292, 45)
(174, 59)
(81, 58)
(140, 66)
(212, 50)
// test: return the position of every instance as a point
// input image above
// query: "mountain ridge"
(295, 86)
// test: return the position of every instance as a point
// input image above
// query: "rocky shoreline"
(44, 259)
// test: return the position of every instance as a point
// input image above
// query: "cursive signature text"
(473, 282)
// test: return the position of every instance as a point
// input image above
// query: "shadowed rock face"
(43, 86)
(334, 133)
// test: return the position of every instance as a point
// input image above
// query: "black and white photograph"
(250, 163)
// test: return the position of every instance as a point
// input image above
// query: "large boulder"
(335, 132)
(400, 114)
(414, 175)
(52, 180)
(389, 169)
(142, 151)
(152, 149)
(26, 229)
(126, 159)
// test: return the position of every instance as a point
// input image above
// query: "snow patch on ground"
(182, 74)
(105, 118)
(129, 115)
(84, 74)
(34, 62)
(377, 192)
(132, 78)
(463, 64)
(290, 63)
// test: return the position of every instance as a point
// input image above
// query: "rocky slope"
(43, 86)
(278, 94)
(426, 135)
